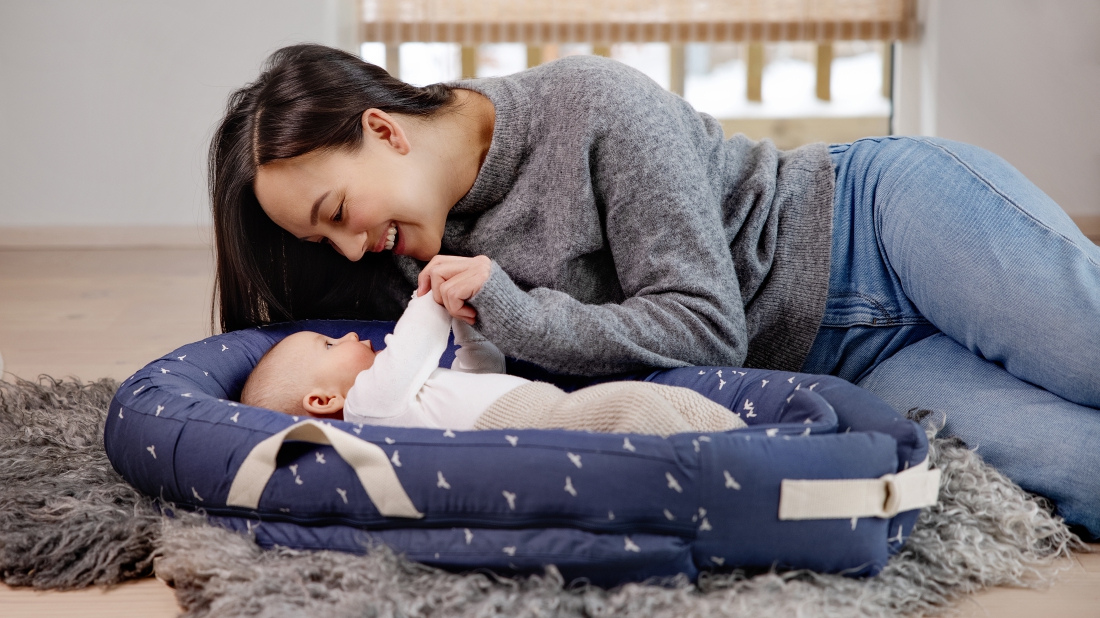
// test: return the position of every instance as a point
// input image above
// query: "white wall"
(107, 107)
(1018, 77)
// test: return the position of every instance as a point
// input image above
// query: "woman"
(590, 222)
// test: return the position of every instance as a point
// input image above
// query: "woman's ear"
(319, 403)
(383, 127)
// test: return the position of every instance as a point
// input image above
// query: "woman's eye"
(339, 216)
(328, 345)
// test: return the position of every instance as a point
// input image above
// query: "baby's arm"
(412, 353)
(475, 354)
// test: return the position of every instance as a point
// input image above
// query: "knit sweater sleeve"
(664, 229)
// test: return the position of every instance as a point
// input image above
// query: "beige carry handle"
(883, 497)
(369, 461)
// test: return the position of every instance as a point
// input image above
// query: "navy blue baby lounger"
(826, 477)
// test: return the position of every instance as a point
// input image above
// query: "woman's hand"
(454, 280)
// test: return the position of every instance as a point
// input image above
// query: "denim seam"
(1026, 214)
(888, 319)
(877, 323)
(876, 220)
(870, 299)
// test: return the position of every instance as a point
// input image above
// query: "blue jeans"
(957, 285)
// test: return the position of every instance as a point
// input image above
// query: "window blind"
(472, 22)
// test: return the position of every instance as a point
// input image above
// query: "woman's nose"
(351, 246)
(349, 336)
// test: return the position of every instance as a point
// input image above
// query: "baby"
(310, 374)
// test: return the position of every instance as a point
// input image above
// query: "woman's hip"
(931, 234)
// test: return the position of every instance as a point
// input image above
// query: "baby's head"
(308, 373)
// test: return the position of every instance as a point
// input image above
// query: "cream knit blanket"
(612, 407)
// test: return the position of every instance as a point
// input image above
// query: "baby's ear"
(324, 404)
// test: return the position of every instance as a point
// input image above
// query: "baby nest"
(826, 477)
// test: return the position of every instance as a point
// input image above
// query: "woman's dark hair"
(308, 98)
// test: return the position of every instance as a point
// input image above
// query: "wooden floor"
(105, 313)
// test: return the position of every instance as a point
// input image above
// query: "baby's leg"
(612, 407)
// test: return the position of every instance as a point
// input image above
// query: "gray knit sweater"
(626, 232)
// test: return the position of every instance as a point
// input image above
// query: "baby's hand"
(454, 280)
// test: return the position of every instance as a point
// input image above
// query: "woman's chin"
(416, 250)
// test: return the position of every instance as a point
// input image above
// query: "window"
(792, 70)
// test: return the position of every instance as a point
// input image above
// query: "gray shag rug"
(68, 520)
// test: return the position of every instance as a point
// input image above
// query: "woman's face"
(356, 200)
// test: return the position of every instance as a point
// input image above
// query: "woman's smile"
(391, 235)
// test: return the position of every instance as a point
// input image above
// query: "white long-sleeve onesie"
(406, 387)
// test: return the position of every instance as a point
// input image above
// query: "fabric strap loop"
(373, 468)
(883, 497)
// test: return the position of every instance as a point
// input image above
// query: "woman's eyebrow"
(316, 207)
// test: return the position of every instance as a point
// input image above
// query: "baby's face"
(328, 361)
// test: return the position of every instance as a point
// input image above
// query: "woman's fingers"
(448, 266)
(467, 314)
(453, 280)
(424, 280)
(454, 293)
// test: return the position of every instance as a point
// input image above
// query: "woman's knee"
(1044, 443)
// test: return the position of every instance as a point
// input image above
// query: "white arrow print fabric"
(672, 484)
(899, 538)
(730, 483)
